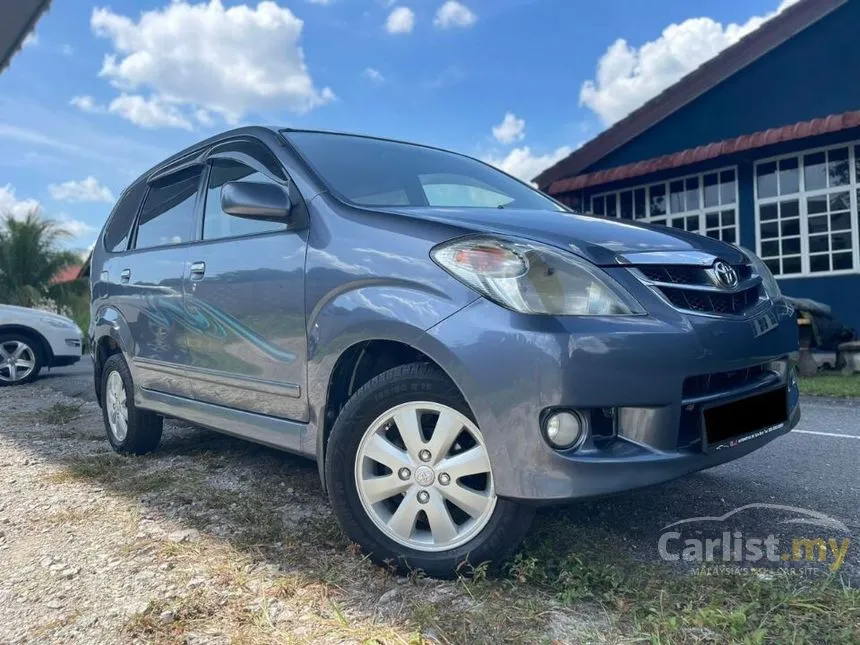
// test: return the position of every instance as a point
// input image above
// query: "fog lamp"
(564, 429)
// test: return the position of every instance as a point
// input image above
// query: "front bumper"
(643, 374)
(66, 345)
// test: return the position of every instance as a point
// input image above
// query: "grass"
(661, 605)
(831, 385)
(125, 474)
(570, 582)
(61, 413)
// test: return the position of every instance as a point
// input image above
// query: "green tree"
(30, 259)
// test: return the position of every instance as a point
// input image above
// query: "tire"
(22, 348)
(142, 428)
(494, 535)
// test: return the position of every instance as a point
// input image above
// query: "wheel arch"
(354, 366)
(111, 336)
(38, 339)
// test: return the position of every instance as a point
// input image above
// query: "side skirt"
(282, 434)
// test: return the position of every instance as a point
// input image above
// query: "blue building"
(760, 146)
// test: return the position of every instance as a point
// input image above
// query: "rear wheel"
(410, 478)
(21, 359)
(129, 430)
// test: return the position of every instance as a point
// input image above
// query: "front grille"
(712, 302)
(704, 384)
(687, 274)
(691, 288)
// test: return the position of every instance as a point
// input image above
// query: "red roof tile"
(832, 123)
(67, 274)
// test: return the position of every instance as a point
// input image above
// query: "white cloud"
(86, 190)
(510, 129)
(521, 163)
(67, 50)
(150, 112)
(74, 227)
(454, 14)
(191, 56)
(627, 77)
(204, 118)
(400, 21)
(322, 2)
(11, 206)
(87, 104)
(30, 40)
(374, 75)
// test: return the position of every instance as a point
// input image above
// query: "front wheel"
(410, 478)
(21, 359)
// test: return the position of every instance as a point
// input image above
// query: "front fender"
(389, 311)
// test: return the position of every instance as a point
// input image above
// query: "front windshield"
(373, 172)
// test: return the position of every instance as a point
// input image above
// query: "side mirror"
(248, 200)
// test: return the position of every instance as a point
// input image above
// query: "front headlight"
(59, 323)
(533, 278)
(771, 287)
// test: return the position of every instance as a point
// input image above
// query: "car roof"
(256, 130)
(373, 138)
(250, 130)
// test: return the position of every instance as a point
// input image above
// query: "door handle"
(198, 269)
(125, 276)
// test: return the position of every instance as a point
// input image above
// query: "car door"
(148, 281)
(245, 289)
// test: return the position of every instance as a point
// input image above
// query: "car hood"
(597, 239)
(24, 312)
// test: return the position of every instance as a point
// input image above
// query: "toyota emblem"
(726, 275)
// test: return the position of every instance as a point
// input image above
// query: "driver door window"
(216, 223)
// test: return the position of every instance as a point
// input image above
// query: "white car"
(31, 339)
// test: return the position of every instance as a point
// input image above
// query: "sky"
(101, 92)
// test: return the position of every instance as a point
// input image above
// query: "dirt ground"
(208, 540)
(215, 540)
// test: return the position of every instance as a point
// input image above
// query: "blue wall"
(813, 74)
(841, 292)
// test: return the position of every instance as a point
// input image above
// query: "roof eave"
(32, 14)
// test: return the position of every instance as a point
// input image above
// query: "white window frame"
(669, 216)
(802, 196)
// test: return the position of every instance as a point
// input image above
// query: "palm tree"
(30, 259)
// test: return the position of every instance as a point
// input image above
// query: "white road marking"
(826, 434)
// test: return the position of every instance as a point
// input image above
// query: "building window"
(705, 204)
(806, 207)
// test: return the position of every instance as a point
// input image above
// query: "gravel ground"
(215, 540)
(208, 540)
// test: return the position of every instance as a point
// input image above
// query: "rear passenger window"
(168, 211)
(122, 219)
(216, 223)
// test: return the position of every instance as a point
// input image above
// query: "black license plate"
(740, 421)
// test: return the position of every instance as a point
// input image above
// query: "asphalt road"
(816, 468)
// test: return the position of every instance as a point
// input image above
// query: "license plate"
(764, 323)
(732, 424)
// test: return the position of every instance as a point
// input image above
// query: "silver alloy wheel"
(423, 476)
(117, 410)
(17, 361)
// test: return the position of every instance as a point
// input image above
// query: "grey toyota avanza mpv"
(450, 345)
